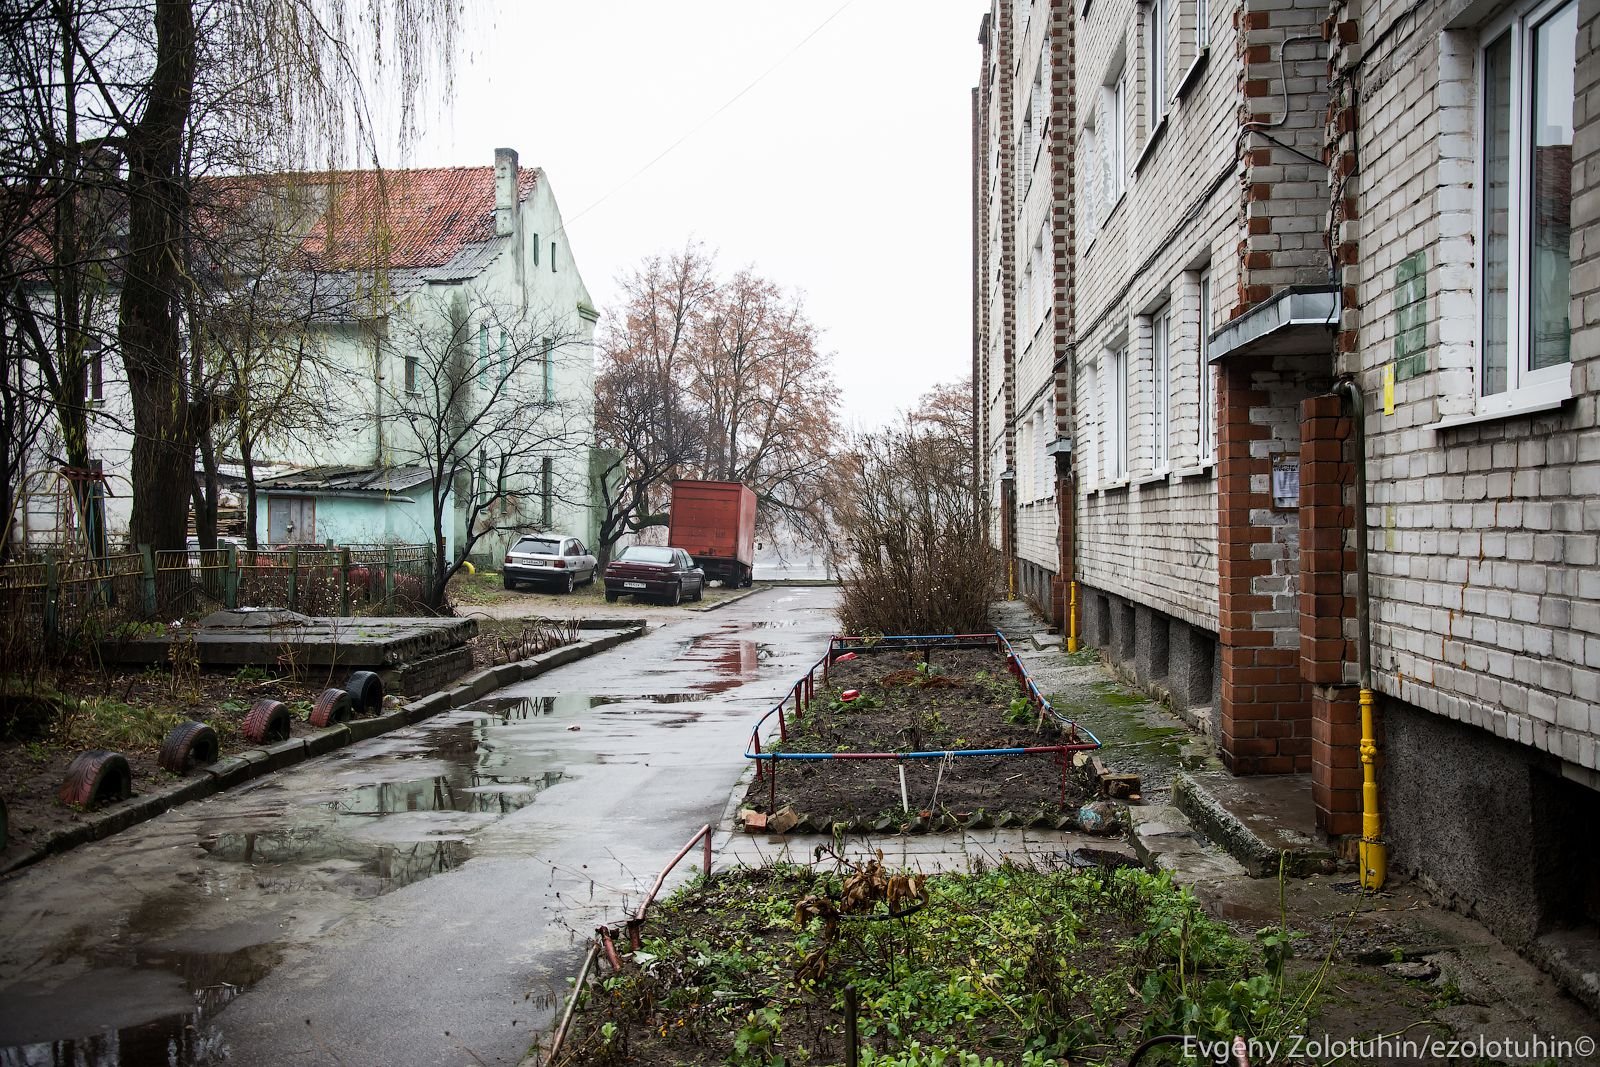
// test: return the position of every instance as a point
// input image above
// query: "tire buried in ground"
(268, 721)
(96, 778)
(333, 706)
(366, 692)
(189, 745)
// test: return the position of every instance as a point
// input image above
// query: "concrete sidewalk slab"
(1266, 822)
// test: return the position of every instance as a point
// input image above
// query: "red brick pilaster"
(1327, 564)
(1265, 714)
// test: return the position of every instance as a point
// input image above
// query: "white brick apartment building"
(1258, 201)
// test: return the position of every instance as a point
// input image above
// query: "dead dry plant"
(914, 557)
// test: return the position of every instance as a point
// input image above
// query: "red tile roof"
(429, 214)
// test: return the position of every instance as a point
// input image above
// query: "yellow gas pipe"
(1072, 617)
(1372, 852)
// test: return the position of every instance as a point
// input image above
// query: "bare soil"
(966, 700)
(129, 711)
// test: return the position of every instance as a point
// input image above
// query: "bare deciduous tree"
(482, 409)
(132, 102)
(712, 378)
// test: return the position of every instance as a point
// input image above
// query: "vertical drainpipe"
(1374, 854)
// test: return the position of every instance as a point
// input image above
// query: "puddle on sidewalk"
(212, 980)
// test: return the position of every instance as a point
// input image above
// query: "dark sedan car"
(645, 570)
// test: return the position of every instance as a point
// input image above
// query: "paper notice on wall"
(1388, 388)
(1285, 481)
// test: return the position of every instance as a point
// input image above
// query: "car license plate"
(633, 585)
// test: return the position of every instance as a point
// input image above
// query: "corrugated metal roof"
(349, 480)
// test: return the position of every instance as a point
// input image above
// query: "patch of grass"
(105, 722)
(1028, 966)
(485, 587)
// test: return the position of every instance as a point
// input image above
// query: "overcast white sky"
(844, 173)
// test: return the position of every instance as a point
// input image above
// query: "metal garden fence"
(95, 597)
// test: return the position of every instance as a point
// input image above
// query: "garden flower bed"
(1021, 965)
(999, 754)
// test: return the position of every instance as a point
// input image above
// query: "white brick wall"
(1154, 541)
(1486, 592)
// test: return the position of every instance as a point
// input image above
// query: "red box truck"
(715, 522)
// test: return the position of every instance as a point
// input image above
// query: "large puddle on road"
(506, 710)
(380, 836)
(179, 1039)
(365, 835)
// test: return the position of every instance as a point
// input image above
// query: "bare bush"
(913, 553)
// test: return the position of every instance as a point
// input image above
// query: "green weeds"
(1012, 965)
(105, 722)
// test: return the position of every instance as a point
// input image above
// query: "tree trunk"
(163, 438)
(206, 492)
(247, 459)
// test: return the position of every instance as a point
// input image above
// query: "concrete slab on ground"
(244, 637)
(1263, 821)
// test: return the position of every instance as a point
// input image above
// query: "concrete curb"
(730, 600)
(252, 763)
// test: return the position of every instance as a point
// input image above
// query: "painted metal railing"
(1078, 738)
(605, 942)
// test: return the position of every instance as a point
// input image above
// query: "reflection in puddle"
(181, 1039)
(732, 661)
(487, 794)
(512, 709)
(384, 866)
(391, 867)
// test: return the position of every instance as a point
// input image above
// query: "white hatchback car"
(554, 559)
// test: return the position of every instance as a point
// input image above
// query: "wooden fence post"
(147, 583)
(344, 582)
(294, 577)
(52, 597)
(230, 579)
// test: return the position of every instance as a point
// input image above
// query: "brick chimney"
(505, 191)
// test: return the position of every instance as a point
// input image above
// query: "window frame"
(1157, 54)
(1205, 446)
(547, 490)
(1114, 141)
(1091, 404)
(1117, 428)
(1525, 387)
(1161, 389)
(483, 355)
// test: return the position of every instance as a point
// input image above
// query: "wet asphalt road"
(419, 898)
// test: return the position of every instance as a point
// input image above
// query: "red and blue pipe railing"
(1079, 738)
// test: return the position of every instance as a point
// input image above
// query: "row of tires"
(101, 777)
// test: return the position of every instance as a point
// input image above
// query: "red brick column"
(1327, 560)
(1264, 717)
